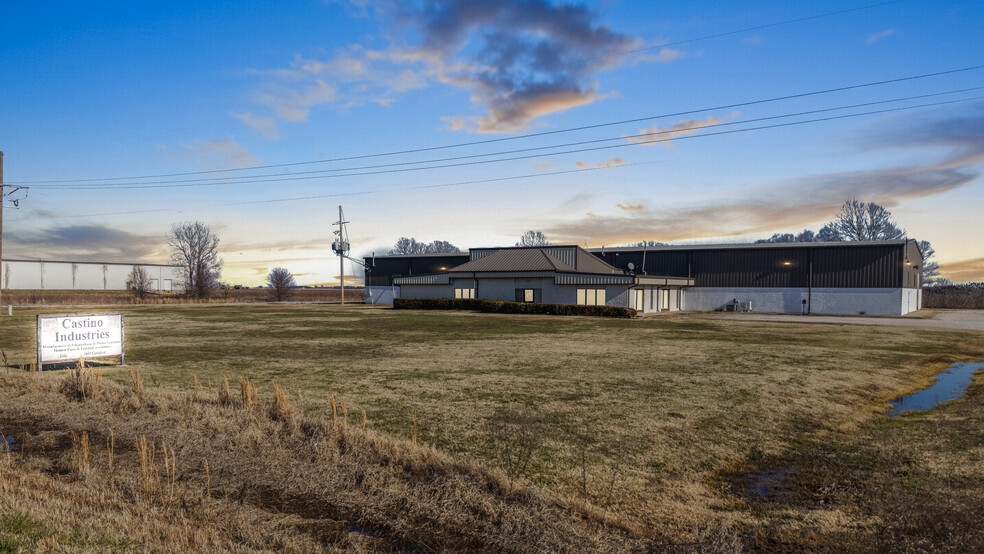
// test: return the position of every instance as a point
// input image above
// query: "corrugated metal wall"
(842, 266)
(386, 268)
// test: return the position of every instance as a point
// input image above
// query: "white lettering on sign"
(70, 337)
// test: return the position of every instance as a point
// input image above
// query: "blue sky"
(102, 106)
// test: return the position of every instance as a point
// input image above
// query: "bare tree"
(930, 267)
(138, 282)
(281, 284)
(533, 238)
(827, 233)
(410, 245)
(442, 246)
(196, 250)
(865, 221)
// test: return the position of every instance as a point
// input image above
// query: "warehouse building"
(877, 278)
(551, 275)
(61, 275)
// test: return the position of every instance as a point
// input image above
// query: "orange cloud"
(613, 162)
(781, 205)
(663, 135)
(513, 116)
(631, 207)
(964, 271)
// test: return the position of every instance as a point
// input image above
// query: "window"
(528, 295)
(638, 300)
(464, 293)
(591, 297)
(664, 301)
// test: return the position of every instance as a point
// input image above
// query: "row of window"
(591, 297)
(464, 293)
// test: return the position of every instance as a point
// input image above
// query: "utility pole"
(341, 248)
(1, 224)
(341, 259)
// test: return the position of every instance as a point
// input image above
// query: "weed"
(82, 383)
(148, 469)
(80, 445)
(280, 408)
(516, 435)
(137, 385)
(111, 448)
(225, 397)
(247, 393)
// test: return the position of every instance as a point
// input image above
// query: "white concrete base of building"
(840, 301)
(382, 295)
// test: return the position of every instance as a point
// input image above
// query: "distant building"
(61, 275)
(878, 278)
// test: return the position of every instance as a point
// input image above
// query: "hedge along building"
(62, 275)
(550, 275)
(879, 278)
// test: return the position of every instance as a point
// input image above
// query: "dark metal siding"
(842, 266)
(386, 268)
(859, 267)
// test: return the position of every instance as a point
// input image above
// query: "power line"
(636, 140)
(529, 136)
(515, 177)
(756, 28)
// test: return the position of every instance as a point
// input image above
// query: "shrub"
(968, 296)
(505, 307)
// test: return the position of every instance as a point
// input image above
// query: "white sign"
(70, 337)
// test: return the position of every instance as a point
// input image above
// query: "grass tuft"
(82, 383)
(247, 394)
(225, 396)
(280, 408)
(80, 445)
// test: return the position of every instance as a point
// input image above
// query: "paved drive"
(939, 319)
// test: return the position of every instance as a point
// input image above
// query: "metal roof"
(537, 259)
(756, 245)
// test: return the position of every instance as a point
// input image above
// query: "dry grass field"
(466, 431)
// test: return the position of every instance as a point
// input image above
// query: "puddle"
(9, 444)
(949, 384)
(769, 483)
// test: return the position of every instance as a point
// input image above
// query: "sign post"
(63, 338)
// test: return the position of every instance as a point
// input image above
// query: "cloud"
(80, 243)
(212, 154)
(662, 135)
(880, 35)
(664, 55)
(613, 162)
(592, 215)
(544, 166)
(294, 104)
(631, 207)
(577, 202)
(265, 125)
(964, 271)
(519, 60)
(315, 243)
(780, 205)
